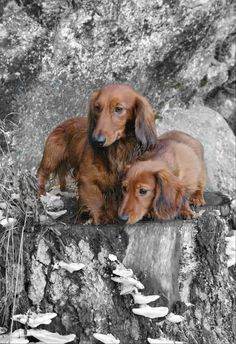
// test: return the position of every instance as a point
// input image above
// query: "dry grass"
(17, 201)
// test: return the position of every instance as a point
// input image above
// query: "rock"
(174, 53)
(182, 261)
(215, 134)
(21, 48)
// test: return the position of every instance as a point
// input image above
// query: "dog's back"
(181, 137)
(184, 156)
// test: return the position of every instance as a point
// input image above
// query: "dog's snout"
(124, 218)
(100, 140)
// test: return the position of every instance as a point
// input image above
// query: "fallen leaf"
(142, 300)
(56, 214)
(43, 219)
(231, 249)
(128, 289)
(52, 201)
(49, 337)
(34, 319)
(162, 341)
(10, 222)
(17, 337)
(71, 267)
(106, 338)
(174, 318)
(151, 312)
(3, 205)
(15, 197)
(112, 257)
(128, 280)
(123, 272)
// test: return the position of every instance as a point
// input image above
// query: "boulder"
(184, 262)
(210, 128)
(22, 43)
(173, 52)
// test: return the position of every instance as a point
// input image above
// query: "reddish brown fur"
(126, 121)
(163, 182)
(56, 155)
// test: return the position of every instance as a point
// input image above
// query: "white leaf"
(52, 201)
(112, 257)
(231, 249)
(5, 339)
(1, 214)
(128, 289)
(151, 312)
(3, 205)
(128, 280)
(49, 337)
(106, 338)
(35, 319)
(43, 219)
(142, 300)
(15, 197)
(71, 267)
(162, 341)
(56, 191)
(10, 222)
(56, 214)
(17, 337)
(174, 318)
(123, 272)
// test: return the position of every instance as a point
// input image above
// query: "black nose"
(99, 140)
(124, 218)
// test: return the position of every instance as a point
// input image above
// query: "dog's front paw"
(197, 199)
(102, 219)
(186, 214)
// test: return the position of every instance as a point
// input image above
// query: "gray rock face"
(211, 129)
(53, 54)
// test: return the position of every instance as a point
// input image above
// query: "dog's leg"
(91, 196)
(54, 156)
(186, 211)
(197, 198)
(42, 177)
(62, 172)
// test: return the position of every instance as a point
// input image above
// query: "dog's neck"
(116, 156)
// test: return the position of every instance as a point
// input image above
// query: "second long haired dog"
(166, 180)
(121, 124)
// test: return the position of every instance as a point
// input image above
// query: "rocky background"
(179, 54)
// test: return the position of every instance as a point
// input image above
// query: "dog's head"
(149, 192)
(115, 111)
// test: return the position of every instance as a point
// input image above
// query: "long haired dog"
(121, 124)
(56, 155)
(164, 182)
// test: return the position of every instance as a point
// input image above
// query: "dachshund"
(120, 125)
(56, 156)
(162, 183)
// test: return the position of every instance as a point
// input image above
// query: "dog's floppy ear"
(169, 195)
(91, 115)
(145, 129)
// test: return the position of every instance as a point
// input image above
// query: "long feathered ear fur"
(169, 195)
(91, 116)
(145, 129)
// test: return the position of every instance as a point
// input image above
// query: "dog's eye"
(124, 188)
(97, 108)
(118, 110)
(142, 191)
